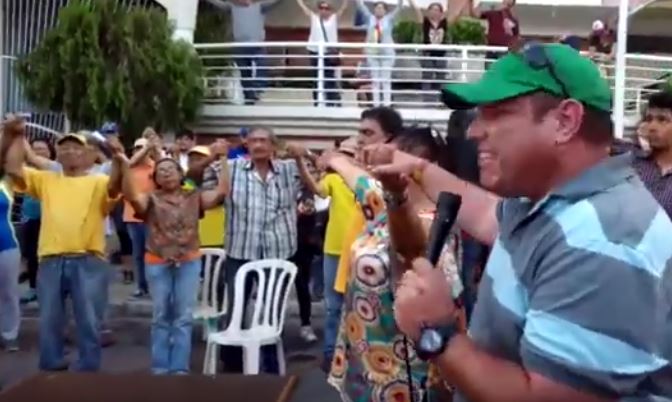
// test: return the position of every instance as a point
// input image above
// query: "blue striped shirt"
(578, 287)
(7, 235)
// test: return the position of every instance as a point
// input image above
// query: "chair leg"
(251, 357)
(206, 359)
(282, 365)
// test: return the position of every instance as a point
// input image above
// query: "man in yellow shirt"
(74, 205)
(342, 208)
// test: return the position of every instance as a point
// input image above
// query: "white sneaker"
(307, 334)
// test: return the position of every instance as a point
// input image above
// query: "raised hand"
(296, 151)
(13, 126)
(220, 147)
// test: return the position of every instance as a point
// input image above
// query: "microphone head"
(448, 205)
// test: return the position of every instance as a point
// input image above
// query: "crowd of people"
(574, 303)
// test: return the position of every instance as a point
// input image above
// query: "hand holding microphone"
(424, 298)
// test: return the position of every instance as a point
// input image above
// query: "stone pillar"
(182, 13)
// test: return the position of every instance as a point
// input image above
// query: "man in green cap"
(576, 299)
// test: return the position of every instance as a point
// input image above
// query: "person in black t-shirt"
(601, 42)
(435, 23)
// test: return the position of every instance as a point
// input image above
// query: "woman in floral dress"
(370, 361)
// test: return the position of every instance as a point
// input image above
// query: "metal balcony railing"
(286, 74)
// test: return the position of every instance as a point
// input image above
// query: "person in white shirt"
(324, 29)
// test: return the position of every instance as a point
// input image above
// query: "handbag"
(332, 57)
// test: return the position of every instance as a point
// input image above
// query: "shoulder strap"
(324, 30)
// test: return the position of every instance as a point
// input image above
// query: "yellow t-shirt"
(341, 209)
(73, 211)
(211, 228)
(355, 227)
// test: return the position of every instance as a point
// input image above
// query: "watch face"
(430, 341)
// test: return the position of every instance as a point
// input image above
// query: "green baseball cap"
(516, 74)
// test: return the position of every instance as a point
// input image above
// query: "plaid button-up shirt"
(260, 215)
(658, 183)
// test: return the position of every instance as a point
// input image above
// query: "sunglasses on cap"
(324, 7)
(534, 54)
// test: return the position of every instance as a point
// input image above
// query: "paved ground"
(130, 321)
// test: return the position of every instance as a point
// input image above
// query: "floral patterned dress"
(370, 358)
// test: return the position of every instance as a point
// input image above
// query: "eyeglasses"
(534, 54)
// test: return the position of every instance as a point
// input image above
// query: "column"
(182, 13)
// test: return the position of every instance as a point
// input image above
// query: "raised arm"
(417, 10)
(12, 150)
(395, 13)
(214, 197)
(364, 9)
(474, 11)
(139, 202)
(304, 8)
(478, 213)
(453, 16)
(36, 161)
(342, 8)
(299, 154)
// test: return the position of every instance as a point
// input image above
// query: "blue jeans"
(334, 301)
(174, 290)
(138, 233)
(84, 278)
(251, 56)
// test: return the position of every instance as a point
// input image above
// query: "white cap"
(140, 142)
(598, 25)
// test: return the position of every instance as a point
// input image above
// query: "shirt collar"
(604, 175)
(274, 165)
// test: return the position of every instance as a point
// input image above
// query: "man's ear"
(569, 117)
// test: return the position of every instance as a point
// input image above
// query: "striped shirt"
(657, 181)
(260, 215)
(578, 287)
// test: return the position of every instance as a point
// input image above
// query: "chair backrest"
(213, 259)
(275, 279)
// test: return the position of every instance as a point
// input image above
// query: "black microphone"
(447, 207)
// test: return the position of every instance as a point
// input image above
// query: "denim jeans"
(138, 233)
(10, 312)
(174, 290)
(251, 56)
(334, 302)
(84, 278)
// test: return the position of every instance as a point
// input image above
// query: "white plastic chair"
(207, 311)
(268, 317)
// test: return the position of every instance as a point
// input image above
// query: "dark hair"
(49, 144)
(661, 100)
(185, 133)
(380, 3)
(597, 128)
(462, 152)
(388, 119)
(436, 4)
(424, 142)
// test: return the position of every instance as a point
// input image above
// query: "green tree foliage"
(105, 62)
(467, 31)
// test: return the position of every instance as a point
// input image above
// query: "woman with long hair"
(379, 28)
(31, 220)
(10, 255)
(173, 261)
(372, 359)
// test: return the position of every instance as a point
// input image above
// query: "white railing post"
(619, 82)
(464, 65)
(320, 74)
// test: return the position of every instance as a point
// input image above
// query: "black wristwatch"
(433, 341)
